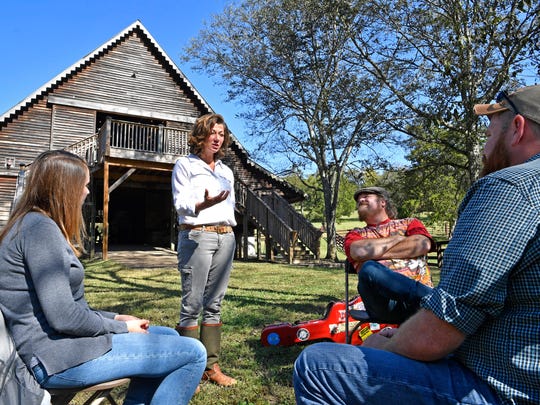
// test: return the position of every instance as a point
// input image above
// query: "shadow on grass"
(258, 295)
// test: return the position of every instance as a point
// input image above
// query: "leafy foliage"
(326, 82)
(289, 60)
(439, 58)
(313, 207)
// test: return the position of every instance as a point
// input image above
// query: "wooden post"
(269, 248)
(259, 257)
(245, 244)
(293, 239)
(105, 245)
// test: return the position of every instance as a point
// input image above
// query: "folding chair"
(349, 269)
(100, 392)
(356, 314)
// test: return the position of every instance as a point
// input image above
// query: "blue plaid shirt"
(490, 282)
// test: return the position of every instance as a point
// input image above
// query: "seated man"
(475, 339)
(390, 257)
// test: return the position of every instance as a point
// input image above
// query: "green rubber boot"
(188, 331)
(211, 339)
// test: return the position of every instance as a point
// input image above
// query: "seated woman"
(64, 342)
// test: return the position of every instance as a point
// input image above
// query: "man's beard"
(499, 159)
(362, 215)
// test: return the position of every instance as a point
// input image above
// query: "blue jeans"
(333, 374)
(164, 367)
(389, 297)
(204, 261)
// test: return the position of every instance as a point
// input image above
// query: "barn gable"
(125, 107)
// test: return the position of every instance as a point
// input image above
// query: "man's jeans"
(204, 261)
(164, 368)
(389, 297)
(333, 374)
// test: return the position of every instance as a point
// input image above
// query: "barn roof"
(138, 29)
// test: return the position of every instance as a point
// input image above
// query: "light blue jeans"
(164, 368)
(204, 261)
(333, 374)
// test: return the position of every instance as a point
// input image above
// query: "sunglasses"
(504, 96)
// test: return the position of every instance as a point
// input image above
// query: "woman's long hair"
(54, 187)
(202, 130)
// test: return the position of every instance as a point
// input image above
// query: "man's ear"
(518, 126)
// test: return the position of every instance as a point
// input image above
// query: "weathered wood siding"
(28, 135)
(105, 81)
(129, 77)
(108, 80)
(242, 172)
(70, 125)
(7, 191)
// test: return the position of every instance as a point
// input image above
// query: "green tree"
(289, 61)
(313, 207)
(326, 80)
(436, 59)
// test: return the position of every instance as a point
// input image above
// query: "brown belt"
(207, 228)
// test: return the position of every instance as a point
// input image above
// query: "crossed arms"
(392, 247)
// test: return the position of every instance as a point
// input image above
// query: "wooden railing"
(307, 233)
(438, 259)
(147, 138)
(151, 140)
(266, 218)
(87, 149)
(273, 214)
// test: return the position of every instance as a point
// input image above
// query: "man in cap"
(390, 257)
(476, 338)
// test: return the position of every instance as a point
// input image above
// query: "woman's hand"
(138, 325)
(134, 324)
(211, 201)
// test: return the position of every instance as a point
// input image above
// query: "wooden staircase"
(284, 228)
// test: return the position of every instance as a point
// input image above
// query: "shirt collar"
(380, 223)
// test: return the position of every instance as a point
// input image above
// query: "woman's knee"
(200, 351)
(162, 330)
(194, 345)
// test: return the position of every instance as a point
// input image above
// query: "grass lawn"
(259, 294)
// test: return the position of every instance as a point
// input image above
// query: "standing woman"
(64, 342)
(203, 196)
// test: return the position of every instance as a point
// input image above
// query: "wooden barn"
(127, 109)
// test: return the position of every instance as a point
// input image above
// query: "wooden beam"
(123, 178)
(245, 236)
(105, 243)
(141, 164)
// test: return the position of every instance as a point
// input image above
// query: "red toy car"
(330, 327)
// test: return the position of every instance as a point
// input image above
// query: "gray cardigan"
(42, 299)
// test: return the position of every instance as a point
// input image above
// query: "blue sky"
(41, 38)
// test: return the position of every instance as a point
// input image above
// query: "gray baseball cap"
(372, 190)
(524, 101)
